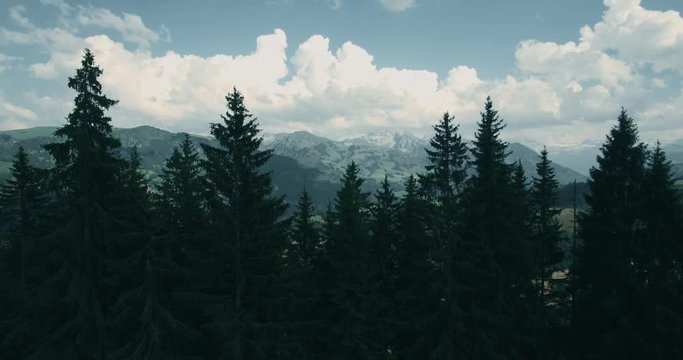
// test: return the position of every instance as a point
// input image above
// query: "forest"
(469, 262)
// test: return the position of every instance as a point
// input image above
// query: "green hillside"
(301, 159)
(34, 132)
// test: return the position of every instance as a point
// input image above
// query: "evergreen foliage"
(547, 232)
(346, 299)
(22, 207)
(442, 185)
(447, 158)
(466, 263)
(382, 263)
(496, 270)
(609, 297)
(22, 201)
(548, 261)
(86, 183)
(248, 233)
(180, 194)
(303, 251)
(660, 260)
(416, 290)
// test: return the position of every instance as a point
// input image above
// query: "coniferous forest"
(469, 262)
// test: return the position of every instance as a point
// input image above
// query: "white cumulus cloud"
(560, 93)
(639, 35)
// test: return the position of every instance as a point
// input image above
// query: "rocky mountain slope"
(395, 154)
(300, 158)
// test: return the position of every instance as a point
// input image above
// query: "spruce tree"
(660, 260)
(495, 270)
(416, 291)
(547, 232)
(22, 207)
(302, 253)
(382, 262)
(447, 157)
(248, 233)
(143, 321)
(345, 300)
(305, 237)
(520, 209)
(180, 193)
(481, 275)
(85, 175)
(443, 184)
(180, 246)
(22, 201)
(609, 300)
(551, 300)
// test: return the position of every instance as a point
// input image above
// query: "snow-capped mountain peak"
(388, 139)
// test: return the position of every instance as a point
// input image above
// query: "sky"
(558, 71)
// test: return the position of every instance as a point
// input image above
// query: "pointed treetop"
(544, 168)
(187, 146)
(659, 170)
(305, 203)
(86, 81)
(411, 185)
(21, 173)
(519, 175)
(235, 105)
(446, 170)
(544, 183)
(622, 149)
(385, 195)
(489, 150)
(21, 160)
(491, 124)
(350, 196)
(624, 133)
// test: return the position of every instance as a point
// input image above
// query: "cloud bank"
(561, 93)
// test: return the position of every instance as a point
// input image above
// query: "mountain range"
(300, 158)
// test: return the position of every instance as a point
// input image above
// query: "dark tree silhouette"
(608, 297)
(249, 235)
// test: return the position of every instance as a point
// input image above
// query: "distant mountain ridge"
(300, 158)
(396, 154)
(582, 158)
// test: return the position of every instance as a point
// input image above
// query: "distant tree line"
(96, 264)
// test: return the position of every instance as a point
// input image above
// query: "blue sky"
(558, 70)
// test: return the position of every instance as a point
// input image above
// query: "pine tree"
(181, 227)
(447, 158)
(416, 291)
(142, 320)
(302, 254)
(248, 232)
(496, 274)
(305, 238)
(547, 232)
(180, 194)
(525, 303)
(481, 275)
(345, 301)
(22, 201)
(86, 178)
(660, 260)
(551, 300)
(382, 261)
(22, 207)
(609, 300)
(443, 184)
